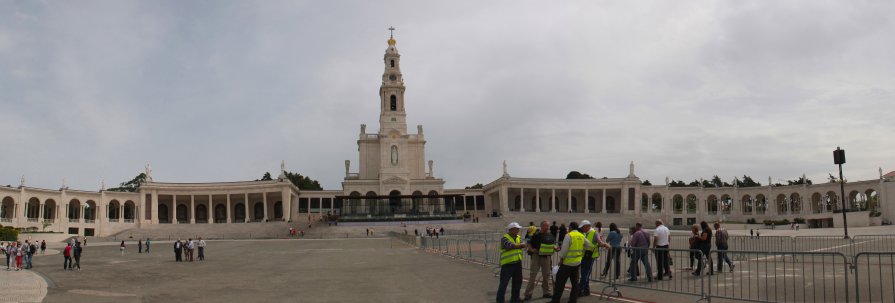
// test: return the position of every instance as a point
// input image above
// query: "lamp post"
(839, 159)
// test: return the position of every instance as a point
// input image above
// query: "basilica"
(393, 181)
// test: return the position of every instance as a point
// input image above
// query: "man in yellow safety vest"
(511, 248)
(571, 253)
(590, 254)
(541, 248)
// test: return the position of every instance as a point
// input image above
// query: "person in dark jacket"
(178, 250)
(554, 230)
(76, 251)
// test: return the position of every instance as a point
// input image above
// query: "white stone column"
(121, 213)
(504, 205)
(40, 216)
(287, 205)
(229, 218)
(83, 216)
(604, 202)
(192, 209)
(537, 200)
(209, 211)
(586, 201)
(522, 199)
(569, 203)
(153, 213)
(174, 210)
(246, 205)
(264, 201)
(624, 203)
(553, 200)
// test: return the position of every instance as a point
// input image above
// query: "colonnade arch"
(74, 210)
(7, 209)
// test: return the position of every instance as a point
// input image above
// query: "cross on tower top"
(391, 30)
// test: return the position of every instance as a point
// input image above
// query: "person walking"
(32, 250)
(76, 252)
(511, 247)
(541, 248)
(139, 246)
(190, 246)
(147, 245)
(615, 242)
(571, 254)
(704, 244)
(178, 247)
(639, 253)
(43, 246)
(66, 253)
(694, 245)
(661, 241)
(591, 254)
(721, 238)
(26, 254)
(202, 249)
(6, 247)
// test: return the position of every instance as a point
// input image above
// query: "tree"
(476, 186)
(132, 185)
(679, 183)
(266, 177)
(577, 175)
(695, 183)
(646, 182)
(303, 182)
(800, 181)
(747, 182)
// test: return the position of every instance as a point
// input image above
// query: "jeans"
(703, 256)
(586, 268)
(663, 267)
(28, 260)
(613, 256)
(565, 273)
(641, 255)
(67, 263)
(723, 257)
(512, 271)
(77, 262)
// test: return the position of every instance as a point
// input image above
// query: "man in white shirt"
(661, 239)
(201, 249)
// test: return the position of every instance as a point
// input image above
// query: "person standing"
(178, 247)
(571, 253)
(66, 253)
(661, 241)
(721, 238)
(510, 263)
(76, 251)
(590, 254)
(147, 245)
(139, 246)
(554, 230)
(639, 253)
(704, 244)
(562, 231)
(202, 249)
(190, 246)
(121, 247)
(27, 253)
(541, 248)
(615, 241)
(43, 246)
(6, 248)
(694, 245)
(31, 252)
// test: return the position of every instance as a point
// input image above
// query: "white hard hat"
(514, 225)
(585, 222)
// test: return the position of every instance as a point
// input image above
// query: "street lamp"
(839, 159)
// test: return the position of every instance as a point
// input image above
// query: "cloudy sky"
(225, 90)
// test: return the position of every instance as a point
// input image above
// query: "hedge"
(9, 234)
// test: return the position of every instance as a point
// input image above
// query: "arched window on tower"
(393, 63)
(394, 103)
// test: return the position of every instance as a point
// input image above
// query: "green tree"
(476, 186)
(800, 181)
(695, 183)
(132, 185)
(577, 175)
(747, 182)
(646, 182)
(303, 182)
(266, 177)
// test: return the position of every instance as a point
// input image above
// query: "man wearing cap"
(587, 262)
(510, 263)
(571, 253)
(541, 248)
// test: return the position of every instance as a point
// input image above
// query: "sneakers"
(732, 267)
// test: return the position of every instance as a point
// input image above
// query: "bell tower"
(392, 116)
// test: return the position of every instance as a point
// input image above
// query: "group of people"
(293, 232)
(19, 254)
(578, 245)
(185, 249)
(72, 255)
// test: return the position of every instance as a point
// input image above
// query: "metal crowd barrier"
(874, 276)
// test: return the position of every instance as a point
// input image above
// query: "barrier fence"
(831, 269)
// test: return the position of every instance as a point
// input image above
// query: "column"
(569, 202)
(264, 201)
(83, 216)
(537, 200)
(174, 204)
(192, 209)
(553, 200)
(287, 205)
(522, 199)
(121, 212)
(624, 201)
(246, 205)
(603, 201)
(586, 201)
(504, 206)
(153, 213)
(209, 211)
(229, 220)
(40, 216)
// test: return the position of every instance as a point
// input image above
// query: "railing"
(32, 219)
(5, 219)
(89, 221)
(128, 220)
(73, 220)
(766, 269)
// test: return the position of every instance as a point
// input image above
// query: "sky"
(208, 91)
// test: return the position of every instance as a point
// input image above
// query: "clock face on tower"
(392, 77)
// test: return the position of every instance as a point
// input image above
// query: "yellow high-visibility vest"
(508, 256)
(576, 249)
(595, 250)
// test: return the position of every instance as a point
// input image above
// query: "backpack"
(33, 249)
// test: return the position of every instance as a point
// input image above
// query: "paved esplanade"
(352, 270)
(21, 286)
